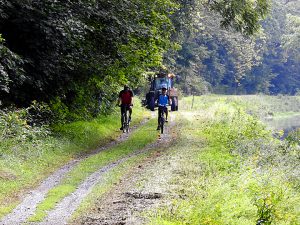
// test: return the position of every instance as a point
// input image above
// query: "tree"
(72, 50)
(75, 54)
(221, 58)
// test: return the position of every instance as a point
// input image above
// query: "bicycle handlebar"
(120, 105)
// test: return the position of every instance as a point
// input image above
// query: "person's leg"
(130, 112)
(122, 119)
(166, 111)
(158, 118)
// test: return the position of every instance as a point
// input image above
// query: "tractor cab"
(156, 83)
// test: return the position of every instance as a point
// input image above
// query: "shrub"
(293, 137)
(14, 124)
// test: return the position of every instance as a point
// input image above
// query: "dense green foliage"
(78, 53)
(222, 61)
(75, 55)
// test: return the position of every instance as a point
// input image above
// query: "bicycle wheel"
(124, 122)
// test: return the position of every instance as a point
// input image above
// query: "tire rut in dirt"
(29, 203)
(125, 203)
(69, 204)
(24, 210)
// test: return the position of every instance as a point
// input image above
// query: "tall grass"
(258, 105)
(30, 153)
(239, 173)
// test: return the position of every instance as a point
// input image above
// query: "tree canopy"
(233, 63)
(74, 55)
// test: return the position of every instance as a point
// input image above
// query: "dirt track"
(129, 199)
(118, 207)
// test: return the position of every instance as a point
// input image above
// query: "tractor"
(156, 82)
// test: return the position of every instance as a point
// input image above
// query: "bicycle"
(125, 118)
(162, 109)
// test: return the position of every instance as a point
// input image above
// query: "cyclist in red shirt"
(126, 102)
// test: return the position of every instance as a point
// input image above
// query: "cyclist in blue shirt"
(163, 100)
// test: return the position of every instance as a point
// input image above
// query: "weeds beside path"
(224, 168)
(237, 173)
(29, 203)
(218, 165)
(28, 206)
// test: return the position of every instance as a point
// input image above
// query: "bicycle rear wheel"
(124, 122)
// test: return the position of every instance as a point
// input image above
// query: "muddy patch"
(6, 175)
(138, 195)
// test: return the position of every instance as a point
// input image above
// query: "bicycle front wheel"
(127, 121)
(124, 122)
(127, 127)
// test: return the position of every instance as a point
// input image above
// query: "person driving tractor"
(125, 102)
(163, 101)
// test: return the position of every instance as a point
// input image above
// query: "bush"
(14, 125)
(293, 137)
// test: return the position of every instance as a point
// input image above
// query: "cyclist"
(125, 102)
(162, 101)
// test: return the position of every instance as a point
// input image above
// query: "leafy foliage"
(66, 44)
(74, 55)
(218, 59)
(241, 15)
(228, 62)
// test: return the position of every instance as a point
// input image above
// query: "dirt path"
(142, 189)
(64, 209)
(28, 206)
(68, 205)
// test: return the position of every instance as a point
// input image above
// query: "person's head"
(163, 90)
(126, 87)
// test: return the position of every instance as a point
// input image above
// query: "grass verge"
(27, 155)
(138, 140)
(236, 173)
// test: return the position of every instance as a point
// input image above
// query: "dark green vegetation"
(225, 62)
(74, 55)
(232, 170)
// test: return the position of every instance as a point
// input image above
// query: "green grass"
(235, 172)
(258, 105)
(31, 154)
(138, 140)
